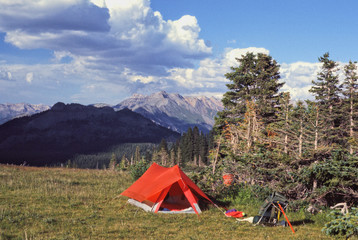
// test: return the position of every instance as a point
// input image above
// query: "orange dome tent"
(167, 190)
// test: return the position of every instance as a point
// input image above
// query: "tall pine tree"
(255, 80)
(350, 92)
(326, 90)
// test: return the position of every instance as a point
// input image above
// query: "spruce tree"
(137, 157)
(187, 146)
(203, 148)
(113, 162)
(326, 90)
(163, 145)
(255, 80)
(280, 131)
(196, 145)
(123, 163)
(350, 92)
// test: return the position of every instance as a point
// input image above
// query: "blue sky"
(91, 51)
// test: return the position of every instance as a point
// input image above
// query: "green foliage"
(307, 151)
(343, 225)
(123, 163)
(256, 79)
(194, 147)
(113, 162)
(138, 169)
(327, 91)
(334, 174)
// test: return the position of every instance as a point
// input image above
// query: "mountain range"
(57, 134)
(169, 110)
(175, 111)
(10, 111)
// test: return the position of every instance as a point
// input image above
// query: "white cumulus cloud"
(126, 33)
(104, 51)
(298, 78)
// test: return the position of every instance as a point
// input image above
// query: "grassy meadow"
(60, 203)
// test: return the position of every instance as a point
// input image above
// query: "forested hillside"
(190, 150)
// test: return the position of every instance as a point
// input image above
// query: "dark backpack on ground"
(270, 213)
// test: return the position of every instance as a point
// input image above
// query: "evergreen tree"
(179, 157)
(137, 157)
(148, 156)
(281, 131)
(163, 154)
(156, 157)
(172, 157)
(163, 157)
(123, 163)
(163, 145)
(203, 148)
(350, 91)
(327, 92)
(187, 146)
(196, 145)
(113, 162)
(255, 80)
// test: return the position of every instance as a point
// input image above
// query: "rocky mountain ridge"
(10, 111)
(170, 110)
(175, 111)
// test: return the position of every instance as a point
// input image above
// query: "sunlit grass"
(59, 203)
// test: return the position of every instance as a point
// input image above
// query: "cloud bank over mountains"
(104, 51)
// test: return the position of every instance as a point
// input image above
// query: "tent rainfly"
(165, 190)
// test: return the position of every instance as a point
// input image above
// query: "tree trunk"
(351, 122)
(300, 139)
(316, 131)
(217, 154)
(248, 135)
(286, 126)
(178, 156)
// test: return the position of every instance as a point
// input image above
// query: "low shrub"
(342, 225)
(138, 169)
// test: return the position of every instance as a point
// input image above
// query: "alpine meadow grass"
(61, 203)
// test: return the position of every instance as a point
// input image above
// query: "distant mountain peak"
(58, 106)
(161, 94)
(174, 111)
(137, 95)
(10, 111)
